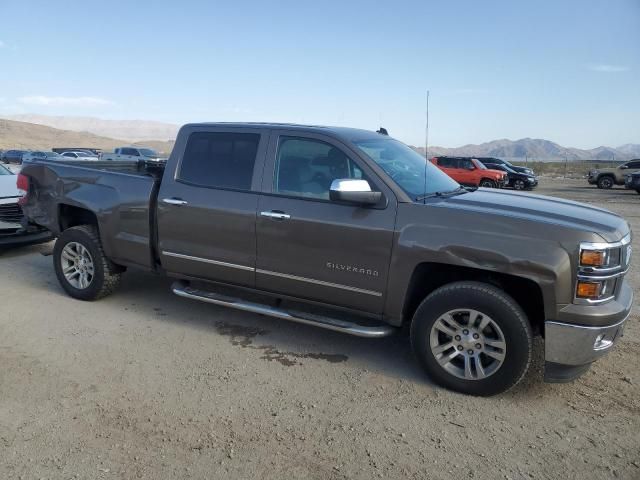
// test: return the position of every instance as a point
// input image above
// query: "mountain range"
(28, 136)
(132, 130)
(537, 149)
(30, 131)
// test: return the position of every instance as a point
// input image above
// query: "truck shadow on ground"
(288, 343)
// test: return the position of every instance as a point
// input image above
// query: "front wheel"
(487, 183)
(82, 268)
(605, 182)
(519, 185)
(473, 338)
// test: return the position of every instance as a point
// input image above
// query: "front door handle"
(276, 215)
(174, 201)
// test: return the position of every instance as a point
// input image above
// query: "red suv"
(469, 171)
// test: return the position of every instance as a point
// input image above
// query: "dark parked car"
(516, 180)
(351, 231)
(632, 181)
(498, 161)
(13, 156)
(12, 229)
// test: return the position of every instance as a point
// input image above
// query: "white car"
(41, 155)
(80, 155)
(12, 230)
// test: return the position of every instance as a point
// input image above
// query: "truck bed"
(119, 196)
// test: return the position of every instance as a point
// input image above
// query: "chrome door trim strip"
(208, 260)
(269, 272)
(320, 282)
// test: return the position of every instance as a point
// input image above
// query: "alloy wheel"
(468, 344)
(77, 265)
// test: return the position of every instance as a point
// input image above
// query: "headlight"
(530, 180)
(600, 267)
(593, 258)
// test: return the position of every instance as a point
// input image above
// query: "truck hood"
(548, 210)
(8, 186)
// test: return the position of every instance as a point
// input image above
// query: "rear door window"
(465, 163)
(220, 160)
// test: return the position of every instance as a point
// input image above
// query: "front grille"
(11, 213)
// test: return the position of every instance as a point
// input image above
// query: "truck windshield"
(147, 152)
(407, 167)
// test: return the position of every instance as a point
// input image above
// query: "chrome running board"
(182, 289)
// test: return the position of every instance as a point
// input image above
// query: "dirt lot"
(148, 385)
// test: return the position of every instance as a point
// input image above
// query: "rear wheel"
(82, 268)
(473, 338)
(605, 182)
(487, 183)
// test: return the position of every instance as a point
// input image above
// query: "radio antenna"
(426, 151)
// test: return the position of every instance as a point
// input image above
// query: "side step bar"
(183, 289)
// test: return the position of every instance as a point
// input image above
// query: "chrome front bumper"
(570, 348)
(568, 344)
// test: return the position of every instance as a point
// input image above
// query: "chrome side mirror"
(353, 191)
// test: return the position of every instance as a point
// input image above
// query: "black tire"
(493, 303)
(519, 185)
(106, 275)
(488, 183)
(605, 182)
(638, 191)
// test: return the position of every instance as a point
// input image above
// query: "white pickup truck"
(132, 153)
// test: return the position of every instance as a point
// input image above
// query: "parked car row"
(86, 154)
(486, 172)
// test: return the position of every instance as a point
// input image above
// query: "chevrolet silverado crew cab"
(351, 231)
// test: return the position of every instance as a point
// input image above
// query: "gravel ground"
(144, 384)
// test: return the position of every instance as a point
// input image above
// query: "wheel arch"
(72, 215)
(427, 277)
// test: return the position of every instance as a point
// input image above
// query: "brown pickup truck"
(351, 231)
(608, 177)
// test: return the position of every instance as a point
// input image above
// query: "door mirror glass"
(353, 191)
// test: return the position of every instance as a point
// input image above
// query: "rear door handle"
(174, 201)
(275, 215)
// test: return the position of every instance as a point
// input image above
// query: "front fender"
(488, 243)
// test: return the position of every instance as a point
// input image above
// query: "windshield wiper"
(458, 191)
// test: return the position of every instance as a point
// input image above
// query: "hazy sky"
(563, 70)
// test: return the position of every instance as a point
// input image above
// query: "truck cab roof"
(339, 132)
